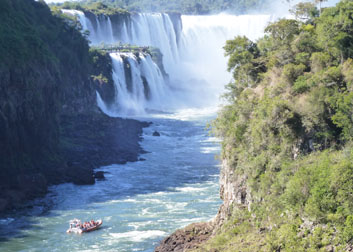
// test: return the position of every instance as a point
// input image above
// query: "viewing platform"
(116, 49)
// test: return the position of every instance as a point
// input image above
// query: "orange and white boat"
(77, 227)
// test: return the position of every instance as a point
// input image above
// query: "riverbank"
(87, 141)
(139, 202)
(190, 237)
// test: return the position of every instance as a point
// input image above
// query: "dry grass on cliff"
(239, 233)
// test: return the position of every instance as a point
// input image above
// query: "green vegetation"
(29, 32)
(182, 6)
(19, 40)
(288, 127)
(102, 66)
(45, 72)
(97, 8)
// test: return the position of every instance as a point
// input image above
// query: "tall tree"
(320, 4)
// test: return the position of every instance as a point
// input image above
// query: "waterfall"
(85, 22)
(201, 53)
(104, 31)
(193, 56)
(139, 84)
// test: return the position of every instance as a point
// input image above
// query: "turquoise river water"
(140, 203)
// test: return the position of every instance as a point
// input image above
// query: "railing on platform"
(112, 49)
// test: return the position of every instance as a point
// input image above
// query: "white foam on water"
(6, 221)
(215, 149)
(191, 189)
(211, 140)
(141, 224)
(138, 236)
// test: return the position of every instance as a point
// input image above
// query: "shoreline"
(87, 142)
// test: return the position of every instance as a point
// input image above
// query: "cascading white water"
(153, 30)
(141, 29)
(202, 60)
(138, 82)
(85, 22)
(193, 55)
(104, 31)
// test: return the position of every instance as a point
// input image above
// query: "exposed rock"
(157, 57)
(51, 130)
(128, 73)
(156, 133)
(99, 175)
(35, 184)
(188, 238)
(80, 175)
(4, 204)
(16, 197)
(93, 141)
(233, 190)
(102, 76)
(146, 88)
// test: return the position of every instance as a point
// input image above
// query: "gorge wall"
(48, 114)
(287, 134)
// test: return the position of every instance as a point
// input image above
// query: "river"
(177, 184)
(140, 203)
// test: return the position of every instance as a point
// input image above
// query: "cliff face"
(51, 130)
(235, 194)
(287, 137)
(32, 101)
(233, 191)
(37, 88)
(102, 75)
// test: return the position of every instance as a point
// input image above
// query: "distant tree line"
(184, 6)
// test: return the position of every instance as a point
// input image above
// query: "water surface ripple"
(140, 203)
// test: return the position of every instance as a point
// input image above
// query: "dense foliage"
(184, 6)
(45, 76)
(288, 127)
(96, 7)
(29, 32)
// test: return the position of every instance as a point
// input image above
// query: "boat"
(77, 227)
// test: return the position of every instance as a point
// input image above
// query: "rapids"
(140, 203)
(177, 184)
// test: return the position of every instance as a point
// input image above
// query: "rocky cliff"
(234, 193)
(287, 139)
(51, 130)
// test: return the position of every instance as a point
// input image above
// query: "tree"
(305, 11)
(335, 30)
(243, 55)
(283, 30)
(320, 2)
